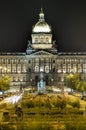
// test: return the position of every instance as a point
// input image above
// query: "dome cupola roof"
(41, 25)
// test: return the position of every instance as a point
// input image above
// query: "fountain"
(41, 85)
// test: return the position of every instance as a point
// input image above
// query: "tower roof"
(41, 25)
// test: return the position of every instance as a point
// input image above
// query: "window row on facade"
(71, 60)
(19, 78)
(59, 60)
(12, 61)
(61, 68)
(13, 69)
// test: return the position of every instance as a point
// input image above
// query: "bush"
(76, 104)
(48, 104)
(6, 116)
(60, 103)
(75, 126)
(3, 105)
(30, 104)
(63, 104)
(7, 126)
(70, 126)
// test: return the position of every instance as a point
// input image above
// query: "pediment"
(41, 53)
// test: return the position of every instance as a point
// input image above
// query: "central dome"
(41, 25)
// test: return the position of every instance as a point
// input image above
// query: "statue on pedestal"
(41, 84)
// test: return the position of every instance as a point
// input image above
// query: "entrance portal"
(36, 79)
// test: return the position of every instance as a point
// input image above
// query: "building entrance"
(47, 79)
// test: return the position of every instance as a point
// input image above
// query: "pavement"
(12, 99)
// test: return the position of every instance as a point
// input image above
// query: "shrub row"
(47, 102)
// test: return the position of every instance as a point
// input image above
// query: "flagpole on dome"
(41, 3)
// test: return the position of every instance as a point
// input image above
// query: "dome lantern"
(41, 16)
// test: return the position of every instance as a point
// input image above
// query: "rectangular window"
(64, 68)
(59, 68)
(74, 68)
(79, 68)
(9, 61)
(14, 69)
(69, 68)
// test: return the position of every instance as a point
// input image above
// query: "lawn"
(46, 112)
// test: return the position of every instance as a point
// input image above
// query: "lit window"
(36, 40)
(14, 61)
(64, 68)
(18, 61)
(3, 61)
(41, 40)
(47, 69)
(47, 40)
(9, 61)
(36, 68)
(69, 68)
(24, 78)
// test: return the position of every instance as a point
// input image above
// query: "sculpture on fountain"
(41, 84)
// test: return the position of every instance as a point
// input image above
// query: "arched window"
(41, 40)
(47, 69)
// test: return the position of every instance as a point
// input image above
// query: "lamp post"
(52, 81)
(62, 82)
(31, 80)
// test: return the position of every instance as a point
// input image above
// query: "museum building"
(41, 56)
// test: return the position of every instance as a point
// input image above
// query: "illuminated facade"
(41, 56)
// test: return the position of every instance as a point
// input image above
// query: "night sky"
(66, 17)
